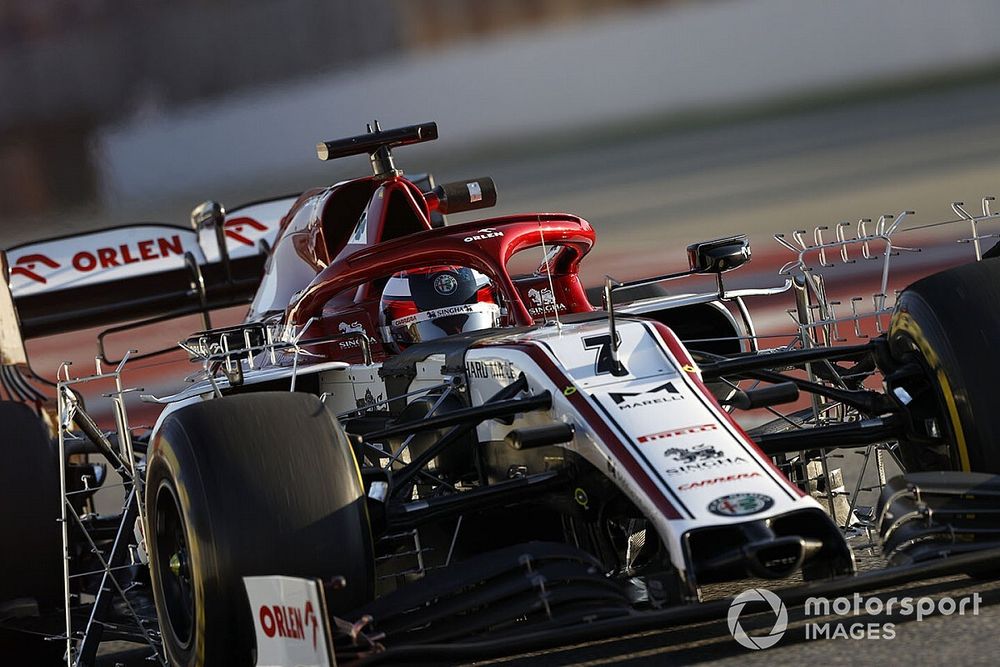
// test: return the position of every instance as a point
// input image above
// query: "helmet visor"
(446, 321)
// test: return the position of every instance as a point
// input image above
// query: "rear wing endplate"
(12, 351)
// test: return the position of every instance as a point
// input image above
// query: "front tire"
(950, 323)
(256, 484)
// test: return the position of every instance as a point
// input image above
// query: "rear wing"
(127, 273)
(12, 351)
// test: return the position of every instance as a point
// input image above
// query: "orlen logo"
(234, 229)
(288, 622)
(27, 266)
(487, 233)
(142, 251)
(36, 266)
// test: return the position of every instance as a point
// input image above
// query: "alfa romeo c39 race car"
(409, 450)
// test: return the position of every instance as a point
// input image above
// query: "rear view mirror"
(720, 255)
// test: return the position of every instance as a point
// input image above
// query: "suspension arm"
(461, 422)
(853, 434)
(753, 362)
(409, 515)
(868, 402)
(489, 410)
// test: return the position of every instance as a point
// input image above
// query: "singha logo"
(542, 298)
(353, 342)
(234, 229)
(28, 266)
(696, 453)
(543, 302)
(353, 327)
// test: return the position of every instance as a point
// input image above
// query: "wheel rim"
(950, 459)
(173, 565)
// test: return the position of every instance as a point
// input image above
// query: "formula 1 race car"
(409, 449)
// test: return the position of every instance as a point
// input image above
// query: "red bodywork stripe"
(673, 344)
(597, 423)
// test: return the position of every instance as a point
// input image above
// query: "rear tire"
(950, 322)
(29, 513)
(256, 484)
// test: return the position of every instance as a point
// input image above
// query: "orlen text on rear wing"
(146, 270)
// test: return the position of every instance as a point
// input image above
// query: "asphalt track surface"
(937, 639)
(650, 194)
(934, 640)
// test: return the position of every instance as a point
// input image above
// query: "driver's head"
(434, 302)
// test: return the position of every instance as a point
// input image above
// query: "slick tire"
(950, 322)
(29, 513)
(255, 484)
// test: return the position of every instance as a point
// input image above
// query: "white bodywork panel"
(90, 259)
(352, 387)
(700, 462)
(289, 619)
(245, 228)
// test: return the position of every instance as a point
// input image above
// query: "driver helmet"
(434, 302)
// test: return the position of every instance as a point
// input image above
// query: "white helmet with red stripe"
(434, 302)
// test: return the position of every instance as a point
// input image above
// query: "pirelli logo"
(687, 430)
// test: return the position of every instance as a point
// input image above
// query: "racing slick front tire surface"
(951, 322)
(255, 484)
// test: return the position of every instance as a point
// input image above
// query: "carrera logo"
(234, 229)
(487, 233)
(27, 266)
(288, 622)
(687, 430)
(665, 393)
(718, 480)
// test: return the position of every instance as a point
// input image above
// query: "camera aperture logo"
(850, 610)
(759, 641)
